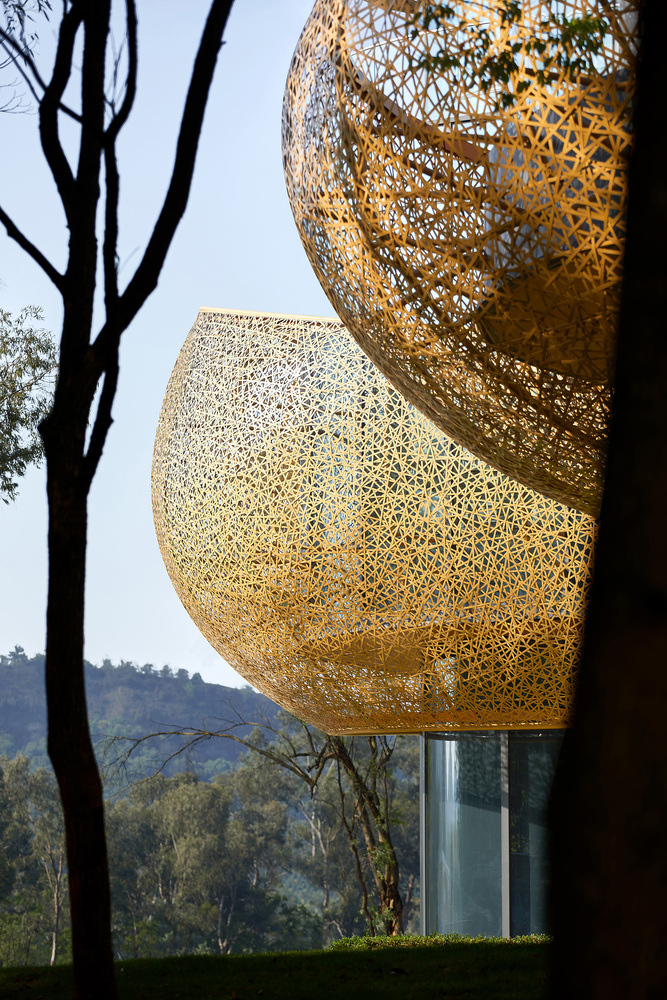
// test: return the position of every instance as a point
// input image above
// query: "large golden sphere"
(473, 250)
(343, 554)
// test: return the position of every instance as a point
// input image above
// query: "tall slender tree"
(87, 183)
(609, 809)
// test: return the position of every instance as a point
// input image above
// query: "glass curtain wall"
(484, 837)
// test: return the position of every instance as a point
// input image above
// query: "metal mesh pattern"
(473, 252)
(343, 554)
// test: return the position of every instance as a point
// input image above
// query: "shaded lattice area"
(344, 555)
(473, 251)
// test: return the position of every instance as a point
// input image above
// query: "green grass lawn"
(408, 968)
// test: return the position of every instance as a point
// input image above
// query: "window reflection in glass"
(463, 843)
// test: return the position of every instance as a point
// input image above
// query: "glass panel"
(532, 765)
(462, 836)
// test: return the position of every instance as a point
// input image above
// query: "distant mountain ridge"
(129, 700)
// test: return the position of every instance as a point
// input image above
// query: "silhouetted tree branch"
(84, 362)
(306, 753)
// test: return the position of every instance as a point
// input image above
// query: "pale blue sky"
(237, 248)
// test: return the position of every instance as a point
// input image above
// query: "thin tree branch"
(119, 119)
(16, 57)
(25, 386)
(15, 233)
(103, 418)
(110, 248)
(110, 244)
(121, 311)
(357, 860)
(195, 736)
(102, 422)
(146, 276)
(50, 104)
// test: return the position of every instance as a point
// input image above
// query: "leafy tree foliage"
(27, 379)
(563, 43)
(247, 862)
(18, 37)
(19, 17)
(257, 858)
(351, 779)
(34, 907)
(197, 868)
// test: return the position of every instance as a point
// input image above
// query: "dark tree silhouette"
(609, 809)
(609, 804)
(89, 360)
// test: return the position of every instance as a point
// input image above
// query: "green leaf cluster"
(195, 869)
(27, 381)
(566, 45)
(19, 16)
(34, 904)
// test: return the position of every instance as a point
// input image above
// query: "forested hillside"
(290, 842)
(128, 700)
(250, 861)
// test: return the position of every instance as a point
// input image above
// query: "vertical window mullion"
(505, 831)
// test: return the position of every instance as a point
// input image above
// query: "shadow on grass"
(407, 968)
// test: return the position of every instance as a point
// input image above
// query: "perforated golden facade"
(343, 554)
(474, 252)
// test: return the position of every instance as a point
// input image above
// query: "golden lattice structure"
(473, 251)
(344, 555)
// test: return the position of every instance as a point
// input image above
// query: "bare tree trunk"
(86, 361)
(609, 806)
(26, 957)
(225, 944)
(325, 869)
(135, 929)
(407, 902)
(69, 744)
(57, 908)
(54, 933)
(379, 846)
(317, 843)
(351, 839)
(382, 859)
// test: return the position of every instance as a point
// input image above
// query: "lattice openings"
(343, 554)
(474, 253)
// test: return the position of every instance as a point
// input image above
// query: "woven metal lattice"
(473, 251)
(343, 554)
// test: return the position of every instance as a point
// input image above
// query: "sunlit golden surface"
(473, 251)
(343, 554)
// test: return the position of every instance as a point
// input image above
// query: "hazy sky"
(236, 248)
